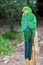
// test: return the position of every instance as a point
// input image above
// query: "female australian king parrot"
(28, 25)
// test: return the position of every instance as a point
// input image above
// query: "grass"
(8, 40)
(5, 47)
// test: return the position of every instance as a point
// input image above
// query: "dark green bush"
(10, 35)
(10, 10)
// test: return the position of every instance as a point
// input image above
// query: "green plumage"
(31, 23)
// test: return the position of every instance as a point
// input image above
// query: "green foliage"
(9, 35)
(18, 40)
(5, 46)
(15, 37)
(10, 10)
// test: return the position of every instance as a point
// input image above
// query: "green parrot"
(28, 26)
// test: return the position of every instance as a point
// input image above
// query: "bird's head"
(26, 9)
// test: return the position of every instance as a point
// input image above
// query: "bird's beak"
(22, 11)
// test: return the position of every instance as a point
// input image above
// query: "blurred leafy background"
(10, 15)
